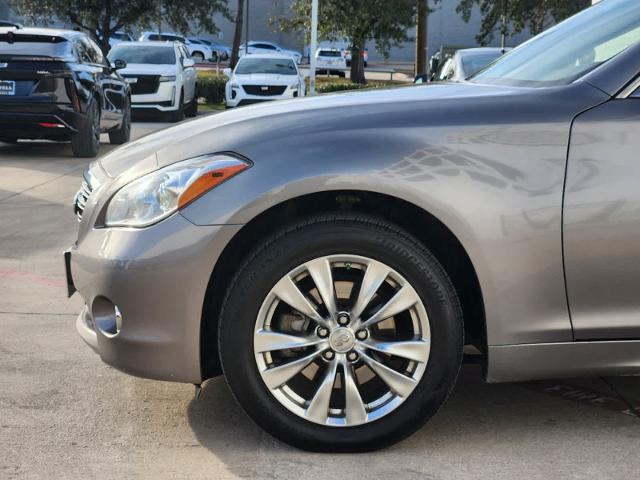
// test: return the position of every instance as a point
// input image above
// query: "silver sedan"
(333, 256)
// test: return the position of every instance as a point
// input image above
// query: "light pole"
(313, 47)
(246, 40)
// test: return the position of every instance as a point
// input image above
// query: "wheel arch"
(429, 230)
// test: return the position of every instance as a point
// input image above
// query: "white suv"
(262, 77)
(161, 75)
(198, 51)
(331, 62)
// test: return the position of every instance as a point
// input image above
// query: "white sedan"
(263, 77)
(268, 47)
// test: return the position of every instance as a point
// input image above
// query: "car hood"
(147, 69)
(266, 79)
(250, 130)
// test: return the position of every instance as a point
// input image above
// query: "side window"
(82, 50)
(97, 55)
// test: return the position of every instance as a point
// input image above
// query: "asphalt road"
(64, 414)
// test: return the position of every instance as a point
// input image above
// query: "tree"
(384, 21)
(513, 16)
(102, 18)
(237, 34)
(423, 10)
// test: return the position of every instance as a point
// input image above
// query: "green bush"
(340, 87)
(211, 88)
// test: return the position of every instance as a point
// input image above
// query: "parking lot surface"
(64, 414)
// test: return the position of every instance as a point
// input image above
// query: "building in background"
(446, 28)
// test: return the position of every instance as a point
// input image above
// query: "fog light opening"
(107, 317)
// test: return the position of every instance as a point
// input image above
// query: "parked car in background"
(347, 56)
(199, 51)
(261, 77)
(466, 62)
(56, 85)
(7, 23)
(330, 62)
(269, 48)
(118, 37)
(221, 52)
(162, 77)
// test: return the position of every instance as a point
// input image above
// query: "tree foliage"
(358, 21)
(518, 15)
(102, 18)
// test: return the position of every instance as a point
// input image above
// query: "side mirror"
(227, 72)
(188, 62)
(119, 64)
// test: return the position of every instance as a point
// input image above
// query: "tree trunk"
(357, 64)
(237, 34)
(422, 12)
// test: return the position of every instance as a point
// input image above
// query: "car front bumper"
(243, 98)
(165, 99)
(144, 292)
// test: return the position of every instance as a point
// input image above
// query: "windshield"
(569, 50)
(472, 63)
(152, 55)
(276, 66)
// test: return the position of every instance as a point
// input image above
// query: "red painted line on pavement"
(33, 278)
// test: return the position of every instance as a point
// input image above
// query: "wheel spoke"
(412, 350)
(397, 382)
(355, 412)
(289, 293)
(374, 276)
(320, 271)
(277, 376)
(268, 340)
(318, 409)
(403, 299)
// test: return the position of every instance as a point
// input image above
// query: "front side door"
(601, 225)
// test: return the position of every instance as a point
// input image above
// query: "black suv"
(57, 85)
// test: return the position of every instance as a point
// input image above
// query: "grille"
(81, 199)
(265, 90)
(145, 84)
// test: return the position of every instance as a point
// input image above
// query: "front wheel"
(178, 115)
(341, 334)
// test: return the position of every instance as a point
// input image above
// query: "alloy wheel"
(342, 340)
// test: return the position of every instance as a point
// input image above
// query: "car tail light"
(51, 125)
(72, 92)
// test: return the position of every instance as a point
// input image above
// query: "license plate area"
(7, 87)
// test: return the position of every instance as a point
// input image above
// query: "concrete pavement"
(64, 414)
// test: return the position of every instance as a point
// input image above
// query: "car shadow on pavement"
(513, 422)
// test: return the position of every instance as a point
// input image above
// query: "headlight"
(167, 78)
(157, 195)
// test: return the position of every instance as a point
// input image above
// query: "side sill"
(519, 363)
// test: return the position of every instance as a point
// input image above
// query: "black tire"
(192, 109)
(123, 133)
(326, 235)
(86, 142)
(178, 115)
